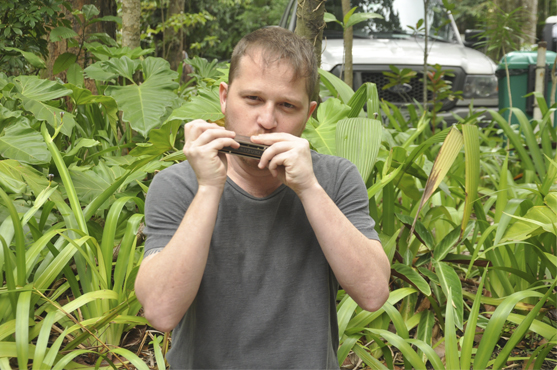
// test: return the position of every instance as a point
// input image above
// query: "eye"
(252, 97)
(288, 105)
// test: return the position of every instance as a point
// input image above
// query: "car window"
(397, 15)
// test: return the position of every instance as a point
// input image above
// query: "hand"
(289, 159)
(203, 141)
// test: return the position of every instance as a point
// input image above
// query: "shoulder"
(336, 174)
(329, 166)
(179, 177)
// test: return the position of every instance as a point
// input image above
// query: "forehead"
(257, 61)
(255, 67)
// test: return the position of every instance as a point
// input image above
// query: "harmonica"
(247, 148)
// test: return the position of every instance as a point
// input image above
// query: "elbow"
(377, 299)
(158, 321)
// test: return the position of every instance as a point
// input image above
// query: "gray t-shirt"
(267, 298)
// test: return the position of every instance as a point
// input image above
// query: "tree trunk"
(426, 52)
(348, 38)
(531, 7)
(55, 49)
(310, 25)
(131, 11)
(175, 39)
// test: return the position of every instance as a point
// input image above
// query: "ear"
(223, 95)
(312, 106)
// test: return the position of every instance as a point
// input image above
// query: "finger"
(278, 160)
(275, 137)
(274, 150)
(195, 128)
(210, 135)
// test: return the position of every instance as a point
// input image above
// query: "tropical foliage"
(467, 215)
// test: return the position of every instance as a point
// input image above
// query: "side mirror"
(472, 38)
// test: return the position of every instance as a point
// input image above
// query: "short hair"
(277, 43)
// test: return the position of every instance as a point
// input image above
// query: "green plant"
(67, 61)
(428, 256)
(25, 23)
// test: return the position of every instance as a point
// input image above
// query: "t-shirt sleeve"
(166, 204)
(350, 195)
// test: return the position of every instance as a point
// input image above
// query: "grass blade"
(125, 255)
(345, 311)
(22, 328)
(533, 147)
(502, 193)
(495, 326)
(429, 353)
(370, 361)
(519, 332)
(472, 165)
(451, 283)
(346, 346)
(468, 342)
(445, 159)
(451, 348)
(515, 141)
(109, 234)
(402, 345)
(10, 278)
(19, 239)
(156, 342)
(425, 329)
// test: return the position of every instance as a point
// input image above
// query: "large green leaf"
(534, 222)
(144, 105)
(358, 140)
(74, 75)
(205, 106)
(33, 59)
(63, 62)
(336, 86)
(22, 173)
(413, 276)
(89, 184)
(60, 33)
(360, 17)
(321, 133)
(35, 93)
(56, 117)
(22, 143)
(34, 88)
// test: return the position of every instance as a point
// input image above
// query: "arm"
(167, 282)
(360, 264)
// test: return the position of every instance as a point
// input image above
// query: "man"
(244, 257)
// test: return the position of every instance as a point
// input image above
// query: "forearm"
(360, 264)
(167, 282)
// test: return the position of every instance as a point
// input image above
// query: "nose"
(267, 118)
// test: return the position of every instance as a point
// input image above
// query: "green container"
(522, 73)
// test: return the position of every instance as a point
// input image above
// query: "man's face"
(265, 98)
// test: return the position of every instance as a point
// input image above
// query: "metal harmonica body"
(247, 148)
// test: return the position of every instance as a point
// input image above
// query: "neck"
(255, 181)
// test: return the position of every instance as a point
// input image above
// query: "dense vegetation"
(467, 215)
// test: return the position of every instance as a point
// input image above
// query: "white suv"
(379, 43)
